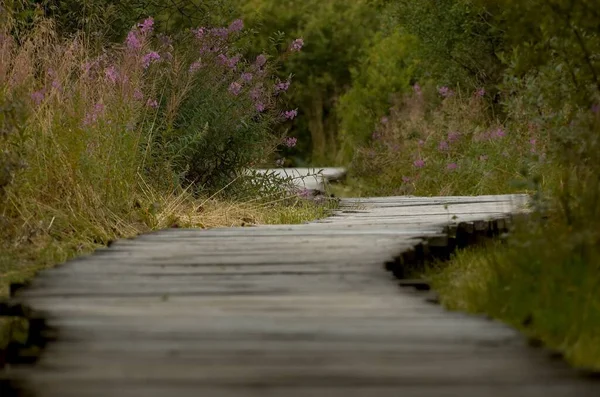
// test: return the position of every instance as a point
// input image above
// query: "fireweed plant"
(95, 143)
(435, 141)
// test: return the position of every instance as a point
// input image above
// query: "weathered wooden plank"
(294, 310)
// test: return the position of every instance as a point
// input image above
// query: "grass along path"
(19, 263)
(537, 283)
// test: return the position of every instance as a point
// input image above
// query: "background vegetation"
(415, 97)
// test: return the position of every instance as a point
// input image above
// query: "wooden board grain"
(281, 310)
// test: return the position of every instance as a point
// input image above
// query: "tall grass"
(436, 141)
(101, 143)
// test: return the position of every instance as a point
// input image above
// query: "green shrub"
(458, 42)
(386, 70)
(335, 33)
(101, 139)
(444, 143)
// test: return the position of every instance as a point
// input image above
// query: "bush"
(92, 143)
(335, 34)
(386, 70)
(458, 42)
(444, 143)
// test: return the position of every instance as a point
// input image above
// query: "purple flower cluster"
(290, 114)
(235, 88)
(229, 62)
(152, 103)
(138, 95)
(443, 146)
(290, 142)
(199, 32)
(195, 66)
(247, 77)
(261, 60)
(92, 117)
(282, 86)
(445, 92)
(236, 26)
(417, 89)
(149, 58)
(133, 42)
(419, 163)
(219, 32)
(297, 45)
(111, 74)
(38, 96)
(453, 136)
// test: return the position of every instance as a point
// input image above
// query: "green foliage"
(431, 145)
(457, 42)
(112, 19)
(543, 281)
(211, 132)
(386, 69)
(335, 33)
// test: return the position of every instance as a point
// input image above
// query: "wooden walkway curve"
(303, 310)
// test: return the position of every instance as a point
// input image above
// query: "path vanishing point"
(317, 309)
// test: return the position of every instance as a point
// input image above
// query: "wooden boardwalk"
(303, 310)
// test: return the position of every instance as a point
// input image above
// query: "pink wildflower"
(236, 25)
(219, 32)
(453, 136)
(152, 103)
(261, 60)
(297, 45)
(290, 142)
(290, 114)
(443, 146)
(111, 74)
(419, 163)
(480, 93)
(199, 32)
(195, 66)
(138, 95)
(133, 42)
(421, 143)
(37, 97)
(149, 58)
(445, 92)
(406, 179)
(147, 25)
(384, 120)
(282, 86)
(92, 117)
(417, 89)
(232, 62)
(247, 77)
(255, 93)
(260, 107)
(222, 59)
(235, 88)
(499, 133)
(452, 166)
